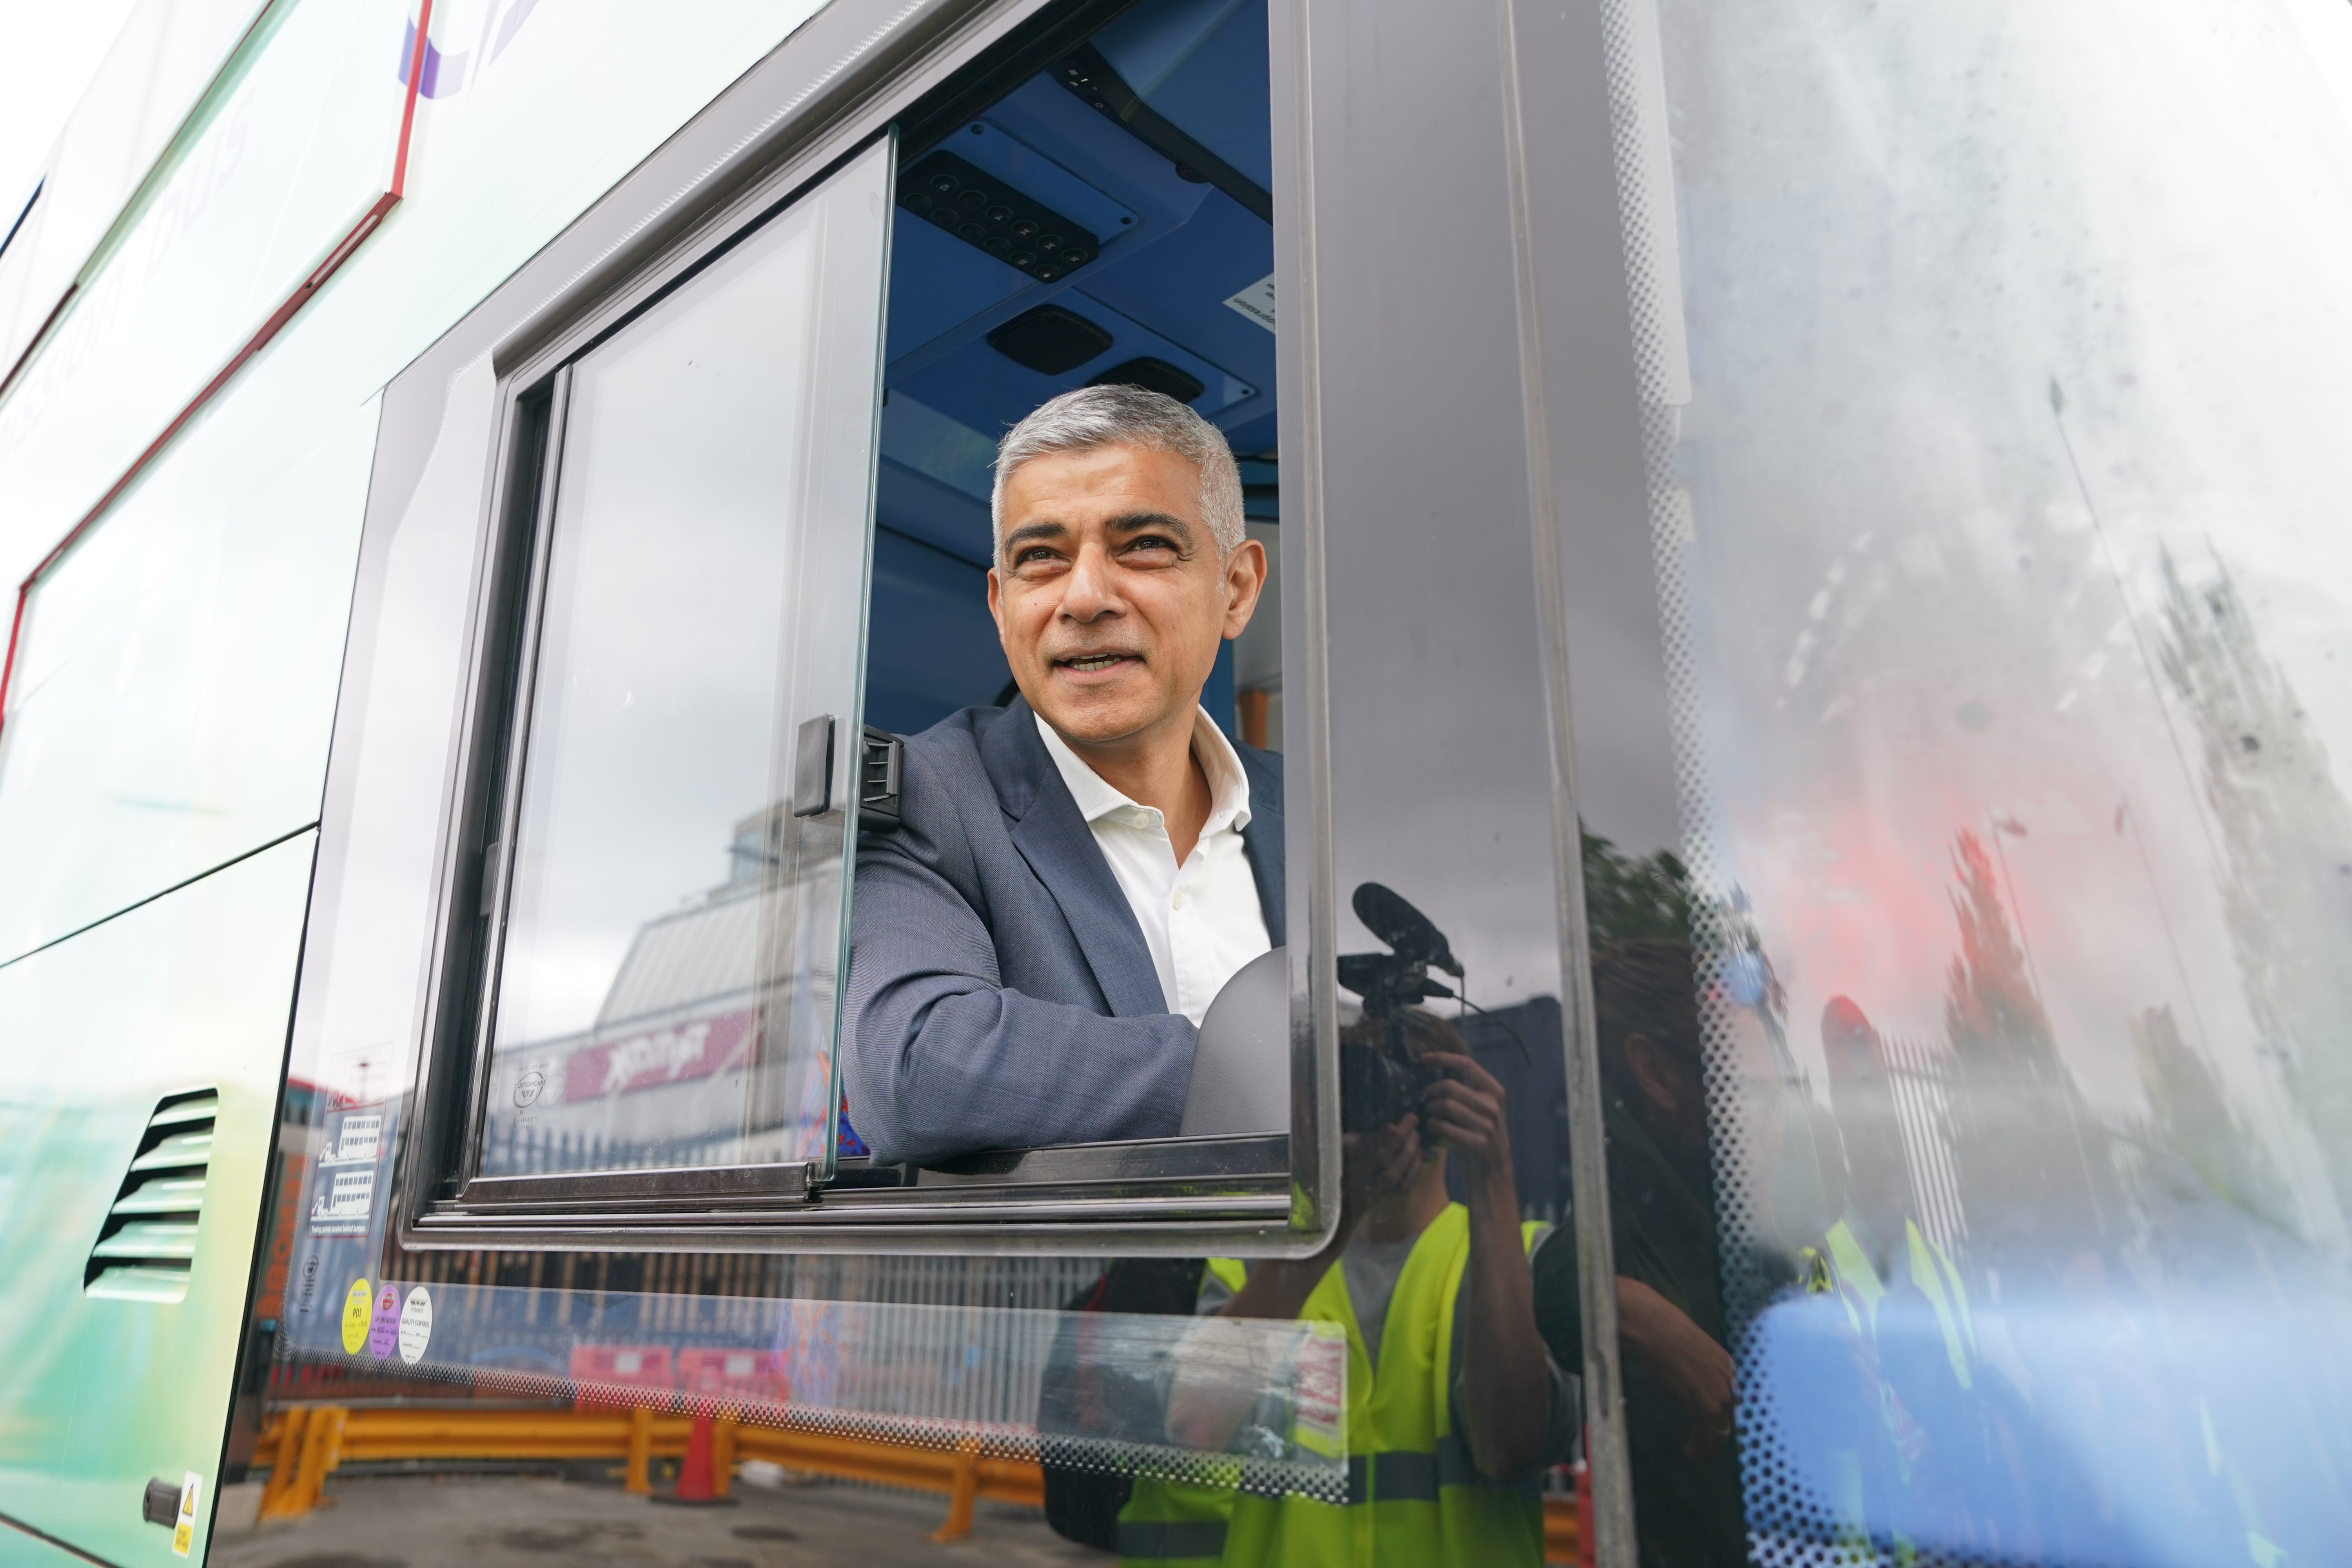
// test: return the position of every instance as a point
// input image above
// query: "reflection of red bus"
(745, 1375)
(600, 1370)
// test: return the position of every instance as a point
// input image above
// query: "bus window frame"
(1262, 1195)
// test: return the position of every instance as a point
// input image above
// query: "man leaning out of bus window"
(1074, 876)
(1451, 1399)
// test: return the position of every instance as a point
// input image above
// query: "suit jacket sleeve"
(943, 1057)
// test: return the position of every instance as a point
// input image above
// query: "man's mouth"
(1094, 663)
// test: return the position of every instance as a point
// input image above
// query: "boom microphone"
(1387, 915)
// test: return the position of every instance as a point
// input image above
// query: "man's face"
(1107, 594)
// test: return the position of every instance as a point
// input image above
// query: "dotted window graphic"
(1790, 1522)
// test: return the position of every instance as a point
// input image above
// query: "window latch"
(489, 880)
(813, 767)
(882, 756)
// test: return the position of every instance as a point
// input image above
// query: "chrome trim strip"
(635, 1190)
(1151, 1160)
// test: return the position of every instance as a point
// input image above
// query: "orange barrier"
(321, 1438)
(1560, 1532)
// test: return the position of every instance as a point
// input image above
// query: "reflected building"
(2193, 1121)
(666, 1074)
(2031, 1162)
(2286, 831)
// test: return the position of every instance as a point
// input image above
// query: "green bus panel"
(100, 1394)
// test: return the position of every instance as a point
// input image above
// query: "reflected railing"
(1075, 1390)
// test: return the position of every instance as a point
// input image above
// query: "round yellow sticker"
(357, 1305)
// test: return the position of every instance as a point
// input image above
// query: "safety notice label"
(183, 1531)
(1256, 301)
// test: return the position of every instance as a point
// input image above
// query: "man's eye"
(1038, 556)
(1150, 542)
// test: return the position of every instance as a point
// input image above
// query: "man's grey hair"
(1096, 416)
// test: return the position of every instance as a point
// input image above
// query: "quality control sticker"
(356, 1303)
(416, 1326)
(183, 1534)
(384, 1332)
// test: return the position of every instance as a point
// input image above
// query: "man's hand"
(1506, 1382)
(1466, 1111)
(1696, 1371)
(1374, 1164)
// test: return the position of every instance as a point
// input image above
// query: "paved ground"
(540, 1522)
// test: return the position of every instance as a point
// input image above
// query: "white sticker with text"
(1256, 301)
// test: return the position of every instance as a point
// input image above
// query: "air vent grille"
(983, 210)
(148, 1244)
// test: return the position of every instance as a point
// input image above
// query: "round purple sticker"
(384, 1332)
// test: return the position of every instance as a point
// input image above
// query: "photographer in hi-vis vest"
(1449, 1430)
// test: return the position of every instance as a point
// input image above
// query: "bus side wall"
(165, 736)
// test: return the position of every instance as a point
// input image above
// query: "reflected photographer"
(1467, 1417)
(1678, 1376)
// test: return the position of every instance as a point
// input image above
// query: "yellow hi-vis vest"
(1842, 1265)
(1415, 1499)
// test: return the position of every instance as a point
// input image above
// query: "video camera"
(1380, 1082)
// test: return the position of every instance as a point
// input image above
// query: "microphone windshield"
(1387, 915)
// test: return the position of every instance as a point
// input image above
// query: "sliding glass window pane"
(664, 992)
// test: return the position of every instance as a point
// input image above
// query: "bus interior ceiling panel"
(1149, 303)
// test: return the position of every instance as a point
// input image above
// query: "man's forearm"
(1279, 1287)
(1506, 1384)
(944, 1066)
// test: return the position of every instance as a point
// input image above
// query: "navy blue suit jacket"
(1001, 995)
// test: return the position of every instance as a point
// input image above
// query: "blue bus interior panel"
(1163, 249)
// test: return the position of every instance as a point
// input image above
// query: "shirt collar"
(1228, 784)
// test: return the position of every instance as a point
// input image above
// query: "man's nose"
(1091, 590)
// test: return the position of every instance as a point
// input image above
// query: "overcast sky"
(53, 49)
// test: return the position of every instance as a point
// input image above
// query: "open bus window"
(733, 582)
(1037, 948)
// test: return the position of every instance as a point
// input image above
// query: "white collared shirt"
(1201, 919)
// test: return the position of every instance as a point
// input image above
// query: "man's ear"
(1652, 1073)
(1244, 571)
(996, 601)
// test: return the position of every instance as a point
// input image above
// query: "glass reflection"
(849, 1354)
(664, 989)
(166, 707)
(2004, 628)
